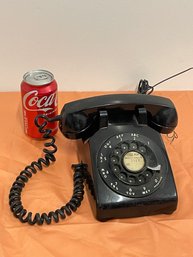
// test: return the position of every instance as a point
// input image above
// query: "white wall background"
(97, 44)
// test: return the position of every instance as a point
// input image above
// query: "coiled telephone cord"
(79, 177)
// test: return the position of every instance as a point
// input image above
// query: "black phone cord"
(146, 89)
(79, 177)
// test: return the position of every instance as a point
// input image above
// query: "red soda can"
(39, 96)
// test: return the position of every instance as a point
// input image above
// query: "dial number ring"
(133, 180)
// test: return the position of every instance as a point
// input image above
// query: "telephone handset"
(82, 117)
(128, 174)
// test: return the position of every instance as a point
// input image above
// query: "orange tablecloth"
(80, 234)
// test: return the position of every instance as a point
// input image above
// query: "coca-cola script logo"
(32, 102)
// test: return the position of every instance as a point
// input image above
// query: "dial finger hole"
(116, 169)
(117, 152)
(141, 179)
(131, 180)
(114, 159)
(124, 147)
(142, 149)
(123, 176)
(148, 174)
(133, 146)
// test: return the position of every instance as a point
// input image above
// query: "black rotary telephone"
(124, 161)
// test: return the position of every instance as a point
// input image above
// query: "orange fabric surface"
(80, 234)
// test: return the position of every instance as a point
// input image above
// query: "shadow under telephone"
(127, 170)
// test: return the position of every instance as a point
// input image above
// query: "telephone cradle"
(118, 137)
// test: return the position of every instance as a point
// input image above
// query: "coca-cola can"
(39, 96)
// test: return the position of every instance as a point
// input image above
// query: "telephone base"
(116, 192)
(135, 211)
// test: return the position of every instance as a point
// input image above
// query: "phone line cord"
(79, 177)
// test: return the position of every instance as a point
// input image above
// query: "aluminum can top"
(38, 77)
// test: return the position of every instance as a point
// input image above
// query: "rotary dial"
(131, 164)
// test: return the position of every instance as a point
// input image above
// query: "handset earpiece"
(165, 120)
(77, 125)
